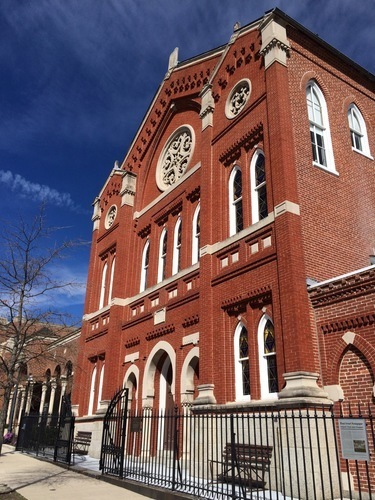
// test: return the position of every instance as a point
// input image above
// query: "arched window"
(103, 285)
(100, 391)
(242, 367)
(196, 235)
(235, 201)
(92, 392)
(111, 280)
(176, 265)
(162, 255)
(145, 264)
(358, 132)
(259, 207)
(319, 127)
(269, 386)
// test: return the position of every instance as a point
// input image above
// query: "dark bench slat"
(248, 459)
(81, 442)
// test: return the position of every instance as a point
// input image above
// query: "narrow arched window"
(269, 385)
(242, 366)
(145, 264)
(103, 285)
(319, 127)
(358, 132)
(162, 255)
(100, 391)
(235, 200)
(111, 280)
(176, 265)
(92, 391)
(259, 206)
(196, 236)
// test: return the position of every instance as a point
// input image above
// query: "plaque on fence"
(353, 436)
(136, 424)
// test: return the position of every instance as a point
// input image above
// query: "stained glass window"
(244, 360)
(237, 201)
(260, 186)
(270, 354)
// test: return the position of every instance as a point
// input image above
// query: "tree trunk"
(4, 411)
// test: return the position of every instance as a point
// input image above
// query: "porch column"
(43, 398)
(63, 389)
(22, 404)
(30, 391)
(52, 397)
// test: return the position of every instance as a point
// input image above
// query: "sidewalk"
(37, 479)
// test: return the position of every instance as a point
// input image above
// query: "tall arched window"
(145, 264)
(269, 386)
(100, 391)
(92, 391)
(358, 131)
(235, 202)
(196, 235)
(259, 207)
(319, 127)
(176, 265)
(111, 280)
(103, 285)
(242, 366)
(162, 255)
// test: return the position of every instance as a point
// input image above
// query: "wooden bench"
(81, 443)
(248, 465)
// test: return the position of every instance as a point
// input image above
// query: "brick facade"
(172, 341)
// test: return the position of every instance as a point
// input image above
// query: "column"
(43, 398)
(52, 397)
(64, 382)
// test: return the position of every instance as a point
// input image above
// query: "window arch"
(235, 202)
(242, 365)
(196, 235)
(259, 207)
(176, 264)
(145, 264)
(320, 135)
(162, 255)
(267, 359)
(103, 285)
(358, 131)
(111, 280)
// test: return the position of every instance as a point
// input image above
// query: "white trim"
(232, 202)
(103, 285)
(176, 247)
(187, 373)
(323, 127)
(342, 276)
(101, 380)
(92, 391)
(195, 237)
(162, 259)
(253, 188)
(111, 279)
(144, 269)
(353, 110)
(150, 368)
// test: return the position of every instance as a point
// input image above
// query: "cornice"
(160, 332)
(349, 323)
(247, 141)
(344, 288)
(255, 298)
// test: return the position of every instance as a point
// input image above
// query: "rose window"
(175, 158)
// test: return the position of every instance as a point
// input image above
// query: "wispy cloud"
(38, 192)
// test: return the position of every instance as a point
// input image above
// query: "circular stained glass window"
(175, 157)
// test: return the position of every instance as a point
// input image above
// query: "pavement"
(38, 479)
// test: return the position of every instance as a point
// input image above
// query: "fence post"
(233, 454)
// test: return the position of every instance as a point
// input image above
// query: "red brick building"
(231, 251)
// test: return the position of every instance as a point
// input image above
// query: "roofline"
(342, 276)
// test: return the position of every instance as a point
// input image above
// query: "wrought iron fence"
(46, 435)
(315, 453)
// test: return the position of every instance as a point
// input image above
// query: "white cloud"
(38, 192)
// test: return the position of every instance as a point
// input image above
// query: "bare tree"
(29, 322)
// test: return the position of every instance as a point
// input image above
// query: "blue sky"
(77, 77)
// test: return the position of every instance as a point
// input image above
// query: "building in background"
(231, 251)
(45, 376)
